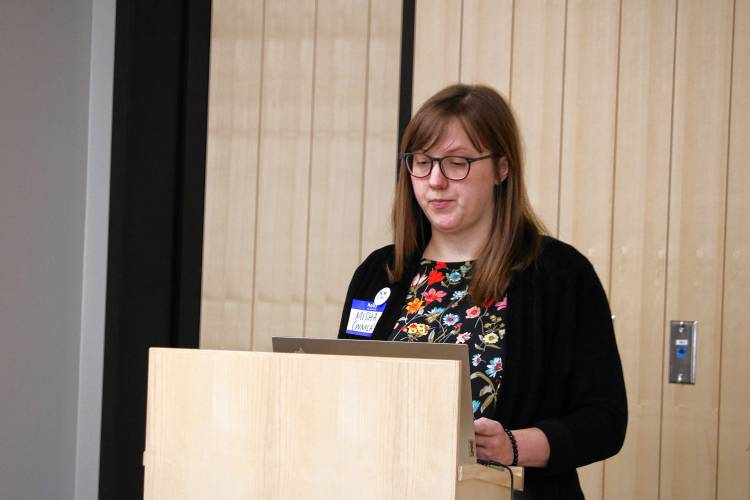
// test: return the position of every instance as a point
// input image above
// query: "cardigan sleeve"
(592, 426)
(369, 275)
(357, 281)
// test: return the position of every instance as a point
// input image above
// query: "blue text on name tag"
(363, 316)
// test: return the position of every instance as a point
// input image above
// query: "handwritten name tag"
(363, 317)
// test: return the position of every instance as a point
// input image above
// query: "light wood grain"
(696, 242)
(734, 410)
(337, 150)
(231, 174)
(486, 43)
(588, 147)
(589, 129)
(284, 170)
(381, 140)
(437, 47)
(639, 236)
(536, 96)
(224, 424)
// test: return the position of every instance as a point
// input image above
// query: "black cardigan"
(562, 371)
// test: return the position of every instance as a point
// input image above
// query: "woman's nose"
(437, 179)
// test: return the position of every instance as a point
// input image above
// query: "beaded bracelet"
(514, 445)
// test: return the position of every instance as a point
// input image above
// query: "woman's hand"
(494, 444)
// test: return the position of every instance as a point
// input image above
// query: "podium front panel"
(231, 425)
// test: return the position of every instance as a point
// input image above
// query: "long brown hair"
(516, 234)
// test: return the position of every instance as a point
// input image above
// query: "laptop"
(420, 350)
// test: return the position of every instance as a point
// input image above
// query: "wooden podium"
(255, 425)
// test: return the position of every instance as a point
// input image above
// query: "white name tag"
(363, 317)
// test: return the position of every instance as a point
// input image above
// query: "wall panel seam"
(258, 171)
(614, 189)
(512, 38)
(310, 155)
(562, 120)
(365, 132)
(666, 249)
(614, 151)
(726, 224)
(461, 43)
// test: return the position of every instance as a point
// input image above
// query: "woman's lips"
(438, 204)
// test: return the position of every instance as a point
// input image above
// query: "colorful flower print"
(435, 277)
(438, 308)
(418, 280)
(454, 277)
(474, 312)
(494, 367)
(490, 338)
(450, 319)
(418, 329)
(414, 305)
(433, 295)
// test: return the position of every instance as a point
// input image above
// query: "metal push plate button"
(682, 337)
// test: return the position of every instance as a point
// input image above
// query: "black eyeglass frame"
(433, 159)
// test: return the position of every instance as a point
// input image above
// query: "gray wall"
(55, 122)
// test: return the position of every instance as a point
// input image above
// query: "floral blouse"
(438, 309)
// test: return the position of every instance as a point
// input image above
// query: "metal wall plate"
(682, 337)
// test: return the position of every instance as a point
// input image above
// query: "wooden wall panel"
(487, 29)
(589, 129)
(734, 410)
(231, 166)
(381, 141)
(639, 235)
(536, 96)
(284, 169)
(437, 47)
(696, 242)
(337, 150)
(628, 147)
(588, 142)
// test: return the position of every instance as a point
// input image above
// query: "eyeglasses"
(454, 168)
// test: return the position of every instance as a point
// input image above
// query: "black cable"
(499, 466)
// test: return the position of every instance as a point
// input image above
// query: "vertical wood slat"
(337, 149)
(231, 168)
(382, 125)
(589, 117)
(639, 235)
(589, 129)
(487, 27)
(437, 47)
(696, 242)
(537, 85)
(284, 169)
(734, 409)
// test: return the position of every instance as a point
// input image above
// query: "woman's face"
(459, 208)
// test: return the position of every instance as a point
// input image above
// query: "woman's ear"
(502, 170)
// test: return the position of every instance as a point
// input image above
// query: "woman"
(470, 265)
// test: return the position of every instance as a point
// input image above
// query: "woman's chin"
(444, 226)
